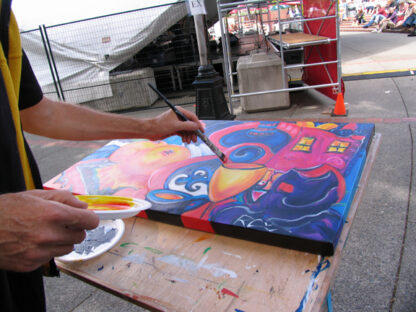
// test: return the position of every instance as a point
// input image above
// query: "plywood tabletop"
(299, 37)
(169, 268)
(176, 269)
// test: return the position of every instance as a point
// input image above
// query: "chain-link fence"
(106, 62)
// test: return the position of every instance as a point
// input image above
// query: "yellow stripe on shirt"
(11, 72)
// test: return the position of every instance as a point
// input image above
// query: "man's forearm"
(66, 121)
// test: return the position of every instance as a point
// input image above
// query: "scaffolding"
(310, 32)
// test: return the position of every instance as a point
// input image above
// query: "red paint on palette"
(109, 206)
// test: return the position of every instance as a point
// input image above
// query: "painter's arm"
(66, 121)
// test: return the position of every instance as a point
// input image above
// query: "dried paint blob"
(97, 241)
(95, 238)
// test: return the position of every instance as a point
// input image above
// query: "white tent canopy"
(31, 14)
(86, 51)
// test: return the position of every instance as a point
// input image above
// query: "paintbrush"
(198, 132)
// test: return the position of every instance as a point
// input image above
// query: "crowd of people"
(390, 14)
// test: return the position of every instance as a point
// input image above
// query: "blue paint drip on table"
(323, 265)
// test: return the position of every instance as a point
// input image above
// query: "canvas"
(288, 184)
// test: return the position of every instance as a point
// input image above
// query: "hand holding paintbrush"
(198, 132)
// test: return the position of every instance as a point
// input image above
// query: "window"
(304, 145)
(338, 146)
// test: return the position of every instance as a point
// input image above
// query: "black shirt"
(18, 291)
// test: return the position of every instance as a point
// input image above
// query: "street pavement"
(378, 267)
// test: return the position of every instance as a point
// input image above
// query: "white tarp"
(86, 51)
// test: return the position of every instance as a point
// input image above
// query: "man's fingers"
(37, 257)
(62, 196)
(82, 219)
(194, 122)
(74, 218)
(189, 126)
(188, 136)
(62, 250)
(62, 236)
(63, 208)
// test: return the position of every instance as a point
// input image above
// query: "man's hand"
(168, 123)
(37, 225)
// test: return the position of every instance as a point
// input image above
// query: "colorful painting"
(288, 184)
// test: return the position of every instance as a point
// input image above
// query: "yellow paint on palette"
(103, 202)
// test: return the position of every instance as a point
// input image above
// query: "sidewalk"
(366, 52)
(378, 269)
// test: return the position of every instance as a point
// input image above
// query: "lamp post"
(210, 99)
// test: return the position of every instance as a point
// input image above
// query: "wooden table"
(169, 268)
(293, 40)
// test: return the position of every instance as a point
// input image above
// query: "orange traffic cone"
(339, 109)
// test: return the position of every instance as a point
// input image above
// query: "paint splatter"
(202, 238)
(127, 244)
(100, 268)
(206, 250)
(155, 251)
(230, 254)
(138, 259)
(226, 291)
(180, 280)
(323, 265)
(220, 285)
(238, 310)
(214, 268)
